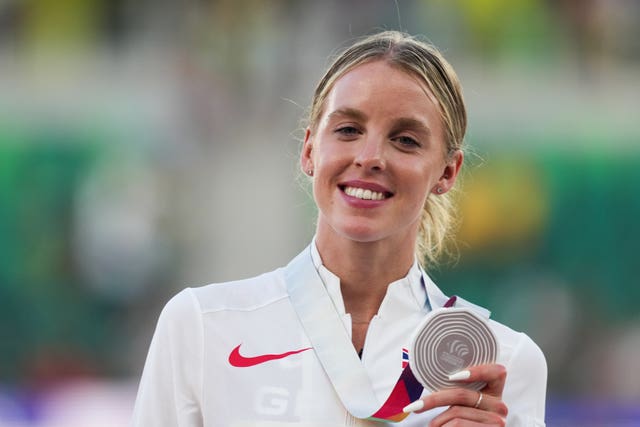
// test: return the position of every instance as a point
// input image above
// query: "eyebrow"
(412, 124)
(348, 112)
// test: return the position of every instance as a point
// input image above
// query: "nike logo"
(240, 361)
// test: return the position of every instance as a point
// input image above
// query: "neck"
(365, 270)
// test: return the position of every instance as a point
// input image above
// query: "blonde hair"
(424, 61)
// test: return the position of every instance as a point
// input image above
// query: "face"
(377, 151)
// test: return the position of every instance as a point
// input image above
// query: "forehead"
(378, 88)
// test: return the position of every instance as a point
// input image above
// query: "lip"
(365, 185)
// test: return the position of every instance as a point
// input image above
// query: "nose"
(370, 154)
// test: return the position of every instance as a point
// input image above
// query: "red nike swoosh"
(240, 361)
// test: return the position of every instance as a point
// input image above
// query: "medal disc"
(447, 341)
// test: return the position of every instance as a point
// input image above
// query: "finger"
(470, 416)
(459, 397)
(470, 424)
(458, 416)
(493, 375)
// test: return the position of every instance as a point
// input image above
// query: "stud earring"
(439, 190)
(310, 172)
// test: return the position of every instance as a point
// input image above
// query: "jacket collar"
(416, 287)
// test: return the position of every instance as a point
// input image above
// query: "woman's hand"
(469, 407)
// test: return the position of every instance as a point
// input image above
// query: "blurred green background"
(146, 146)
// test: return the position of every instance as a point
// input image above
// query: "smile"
(360, 193)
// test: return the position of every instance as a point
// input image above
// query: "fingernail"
(414, 406)
(461, 375)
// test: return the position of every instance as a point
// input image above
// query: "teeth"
(360, 193)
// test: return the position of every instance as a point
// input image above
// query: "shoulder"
(517, 348)
(185, 310)
(243, 295)
(183, 315)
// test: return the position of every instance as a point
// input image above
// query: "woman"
(321, 342)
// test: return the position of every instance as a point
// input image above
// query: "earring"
(310, 172)
(439, 190)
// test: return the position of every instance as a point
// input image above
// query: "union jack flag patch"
(405, 358)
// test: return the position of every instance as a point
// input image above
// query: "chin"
(361, 233)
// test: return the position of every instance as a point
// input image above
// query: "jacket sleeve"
(526, 385)
(170, 388)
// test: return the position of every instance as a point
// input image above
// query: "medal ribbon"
(334, 349)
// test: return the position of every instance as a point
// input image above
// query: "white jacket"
(238, 354)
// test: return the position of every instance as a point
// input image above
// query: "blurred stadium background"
(150, 145)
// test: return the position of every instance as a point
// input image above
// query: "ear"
(450, 173)
(306, 162)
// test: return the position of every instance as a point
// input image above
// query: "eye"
(407, 142)
(348, 132)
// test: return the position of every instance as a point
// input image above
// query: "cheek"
(321, 179)
(422, 190)
(420, 201)
(329, 160)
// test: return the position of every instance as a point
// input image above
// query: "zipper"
(366, 337)
(349, 420)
